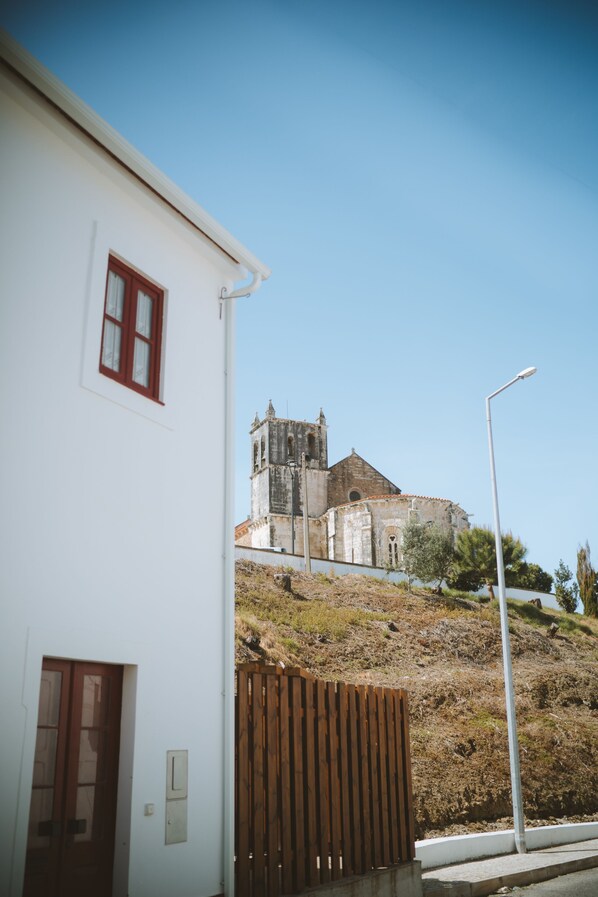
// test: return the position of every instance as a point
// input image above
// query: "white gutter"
(229, 578)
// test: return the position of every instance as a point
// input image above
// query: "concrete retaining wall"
(396, 881)
(435, 852)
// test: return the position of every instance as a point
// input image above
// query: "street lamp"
(506, 642)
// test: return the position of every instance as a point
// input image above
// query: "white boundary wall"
(342, 568)
(436, 852)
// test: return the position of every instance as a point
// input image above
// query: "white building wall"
(105, 553)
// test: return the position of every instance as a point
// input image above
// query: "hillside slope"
(446, 651)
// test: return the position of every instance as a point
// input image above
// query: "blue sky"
(421, 177)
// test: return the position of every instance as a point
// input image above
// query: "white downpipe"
(229, 603)
(228, 555)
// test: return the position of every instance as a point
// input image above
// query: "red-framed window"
(132, 330)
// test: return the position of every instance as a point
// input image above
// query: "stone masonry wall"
(355, 474)
(381, 518)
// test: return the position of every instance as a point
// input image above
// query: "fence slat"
(272, 806)
(310, 791)
(383, 773)
(356, 809)
(285, 788)
(344, 773)
(374, 779)
(323, 781)
(364, 778)
(392, 776)
(297, 781)
(257, 735)
(335, 789)
(242, 782)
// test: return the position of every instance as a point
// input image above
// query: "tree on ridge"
(475, 559)
(565, 594)
(587, 581)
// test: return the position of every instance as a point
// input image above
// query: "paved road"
(578, 884)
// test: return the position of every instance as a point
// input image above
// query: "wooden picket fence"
(323, 780)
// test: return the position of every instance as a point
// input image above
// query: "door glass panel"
(87, 813)
(115, 296)
(96, 700)
(111, 346)
(143, 324)
(44, 765)
(141, 362)
(92, 755)
(49, 698)
(40, 812)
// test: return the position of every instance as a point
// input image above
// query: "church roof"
(241, 528)
(394, 497)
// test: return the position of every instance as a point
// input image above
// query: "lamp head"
(526, 373)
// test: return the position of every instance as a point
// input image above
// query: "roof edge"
(72, 107)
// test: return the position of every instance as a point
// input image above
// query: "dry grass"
(447, 652)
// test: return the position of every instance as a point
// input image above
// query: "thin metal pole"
(305, 516)
(506, 649)
(292, 469)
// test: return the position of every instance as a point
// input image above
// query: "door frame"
(92, 647)
(66, 855)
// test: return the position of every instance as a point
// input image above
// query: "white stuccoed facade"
(106, 555)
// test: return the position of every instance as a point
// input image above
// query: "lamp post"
(506, 642)
(292, 465)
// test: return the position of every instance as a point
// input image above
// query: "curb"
(483, 888)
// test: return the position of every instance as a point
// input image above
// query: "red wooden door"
(70, 848)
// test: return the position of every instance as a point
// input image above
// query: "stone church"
(355, 513)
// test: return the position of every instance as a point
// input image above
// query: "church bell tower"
(277, 449)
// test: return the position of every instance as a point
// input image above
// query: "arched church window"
(393, 551)
(256, 449)
(311, 445)
(354, 495)
(290, 447)
(263, 450)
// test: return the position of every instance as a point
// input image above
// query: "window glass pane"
(143, 324)
(111, 346)
(141, 362)
(96, 697)
(49, 698)
(115, 296)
